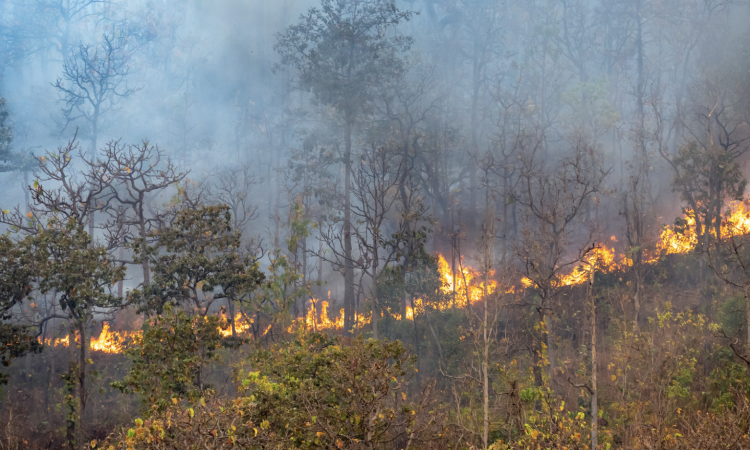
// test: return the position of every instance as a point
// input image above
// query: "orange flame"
(461, 284)
(108, 342)
(240, 324)
(324, 322)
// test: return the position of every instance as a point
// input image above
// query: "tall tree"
(343, 51)
(94, 81)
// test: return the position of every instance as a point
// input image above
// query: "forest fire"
(736, 223)
(322, 321)
(111, 341)
(461, 284)
(107, 341)
(241, 324)
(465, 285)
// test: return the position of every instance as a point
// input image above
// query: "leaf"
(191, 412)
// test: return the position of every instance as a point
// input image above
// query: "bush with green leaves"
(170, 357)
(315, 392)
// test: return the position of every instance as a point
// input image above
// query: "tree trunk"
(348, 263)
(485, 370)
(142, 230)
(594, 366)
(638, 297)
(71, 419)
(230, 309)
(550, 346)
(374, 290)
(489, 232)
(82, 383)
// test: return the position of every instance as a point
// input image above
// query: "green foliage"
(553, 426)
(344, 48)
(6, 133)
(168, 359)
(316, 392)
(10, 160)
(82, 275)
(18, 270)
(197, 261)
(81, 272)
(417, 276)
(319, 392)
(731, 314)
(210, 423)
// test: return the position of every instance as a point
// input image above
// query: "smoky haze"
(493, 102)
(500, 188)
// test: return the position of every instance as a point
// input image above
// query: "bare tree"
(554, 202)
(233, 187)
(60, 188)
(138, 174)
(94, 82)
(375, 182)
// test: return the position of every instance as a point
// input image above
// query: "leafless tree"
(554, 203)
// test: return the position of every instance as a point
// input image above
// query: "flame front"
(465, 286)
(461, 284)
(323, 322)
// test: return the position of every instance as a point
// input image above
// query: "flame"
(736, 223)
(240, 324)
(324, 322)
(467, 284)
(114, 341)
(62, 342)
(461, 284)
(600, 258)
(108, 342)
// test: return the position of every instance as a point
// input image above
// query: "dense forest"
(374, 224)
